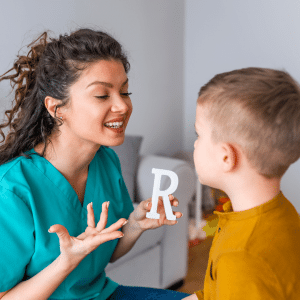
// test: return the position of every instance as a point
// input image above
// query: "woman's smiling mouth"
(114, 124)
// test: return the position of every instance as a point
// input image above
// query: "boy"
(248, 127)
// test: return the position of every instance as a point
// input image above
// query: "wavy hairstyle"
(49, 69)
(259, 110)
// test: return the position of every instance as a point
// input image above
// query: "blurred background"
(174, 47)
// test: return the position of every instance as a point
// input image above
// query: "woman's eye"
(106, 96)
(102, 97)
(126, 94)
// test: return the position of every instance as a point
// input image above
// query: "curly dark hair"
(49, 69)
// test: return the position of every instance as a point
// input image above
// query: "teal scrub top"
(33, 196)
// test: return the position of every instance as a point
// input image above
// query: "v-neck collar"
(63, 184)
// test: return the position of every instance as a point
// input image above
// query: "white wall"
(225, 35)
(150, 31)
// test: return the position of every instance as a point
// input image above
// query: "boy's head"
(259, 110)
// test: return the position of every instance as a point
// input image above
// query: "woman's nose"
(120, 104)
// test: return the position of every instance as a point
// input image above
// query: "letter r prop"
(156, 193)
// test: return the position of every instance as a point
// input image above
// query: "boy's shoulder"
(276, 221)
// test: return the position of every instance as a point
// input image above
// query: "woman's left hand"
(139, 214)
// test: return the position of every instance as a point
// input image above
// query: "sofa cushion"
(140, 270)
(128, 154)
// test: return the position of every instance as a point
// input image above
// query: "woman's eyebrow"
(107, 84)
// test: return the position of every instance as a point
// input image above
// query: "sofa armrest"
(174, 254)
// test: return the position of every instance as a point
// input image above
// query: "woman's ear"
(50, 104)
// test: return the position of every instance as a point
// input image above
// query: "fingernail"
(91, 204)
(125, 222)
(107, 204)
(121, 236)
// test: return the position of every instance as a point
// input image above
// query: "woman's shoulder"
(6, 167)
(13, 169)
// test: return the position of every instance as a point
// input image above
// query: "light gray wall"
(225, 35)
(169, 63)
(150, 31)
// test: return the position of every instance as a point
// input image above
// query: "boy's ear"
(229, 157)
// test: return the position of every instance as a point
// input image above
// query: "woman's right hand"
(75, 249)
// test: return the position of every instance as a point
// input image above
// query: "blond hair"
(258, 109)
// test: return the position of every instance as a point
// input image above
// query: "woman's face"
(98, 100)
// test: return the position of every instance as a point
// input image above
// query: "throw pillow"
(128, 154)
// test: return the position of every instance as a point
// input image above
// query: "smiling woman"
(58, 174)
(47, 73)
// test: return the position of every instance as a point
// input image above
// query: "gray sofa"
(159, 258)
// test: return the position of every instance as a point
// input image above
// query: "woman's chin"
(115, 142)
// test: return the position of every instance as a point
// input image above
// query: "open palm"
(76, 248)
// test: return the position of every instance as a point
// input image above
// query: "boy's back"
(255, 253)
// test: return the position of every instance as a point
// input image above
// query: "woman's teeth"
(114, 124)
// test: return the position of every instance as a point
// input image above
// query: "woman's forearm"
(132, 232)
(42, 285)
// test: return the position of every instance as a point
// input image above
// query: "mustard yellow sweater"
(255, 254)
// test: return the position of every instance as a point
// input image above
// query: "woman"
(57, 173)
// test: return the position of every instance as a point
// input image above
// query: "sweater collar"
(245, 214)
